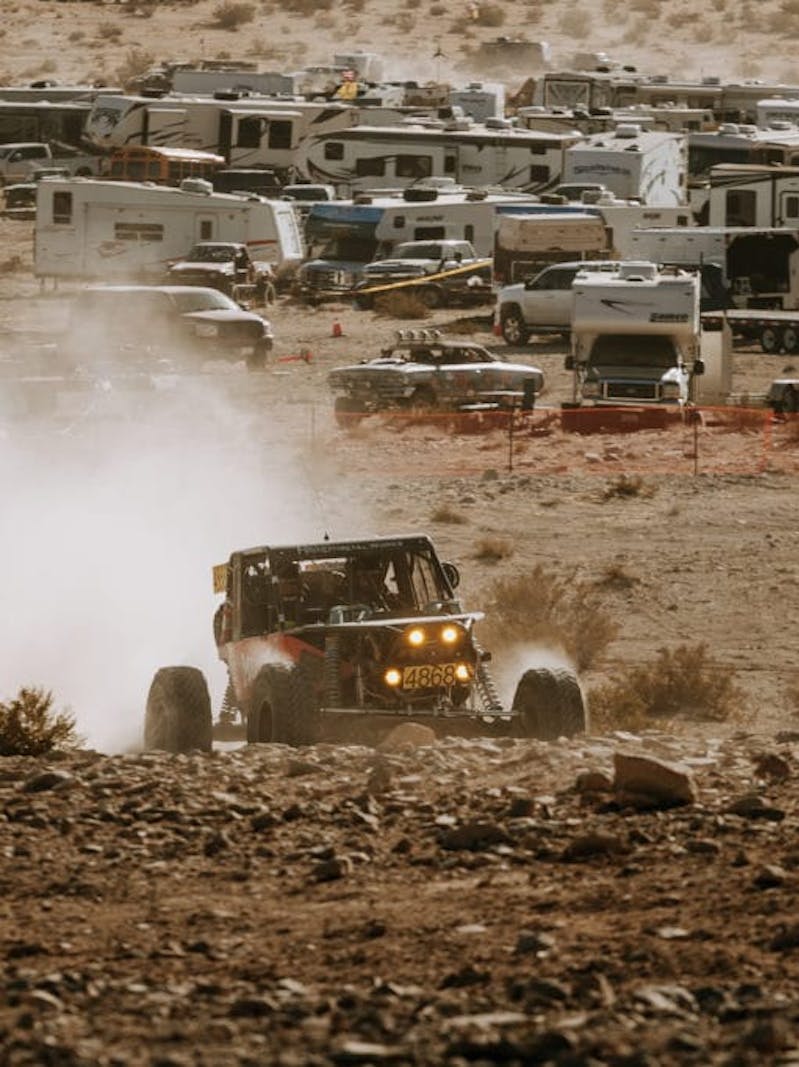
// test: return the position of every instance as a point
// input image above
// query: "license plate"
(429, 675)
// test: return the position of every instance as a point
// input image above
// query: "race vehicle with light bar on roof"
(346, 639)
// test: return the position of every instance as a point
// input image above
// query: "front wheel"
(364, 301)
(283, 707)
(550, 704)
(347, 412)
(422, 400)
(790, 340)
(257, 359)
(514, 328)
(178, 715)
(432, 297)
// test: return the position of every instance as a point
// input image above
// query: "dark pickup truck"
(467, 277)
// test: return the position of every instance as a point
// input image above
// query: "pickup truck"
(225, 266)
(18, 161)
(413, 261)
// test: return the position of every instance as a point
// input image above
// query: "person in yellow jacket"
(348, 90)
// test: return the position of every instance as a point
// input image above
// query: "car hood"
(225, 315)
(634, 374)
(195, 265)
(396, 266)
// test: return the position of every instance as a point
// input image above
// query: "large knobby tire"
(550, 703)
(770, 340)
(178, 715)
(348, 412)
(514, 328)
(283, 708)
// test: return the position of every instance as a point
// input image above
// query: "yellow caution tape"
(424, 279)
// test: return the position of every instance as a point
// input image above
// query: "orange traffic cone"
(337, 330)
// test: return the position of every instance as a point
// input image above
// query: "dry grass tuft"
(231, 14)
(493, 549)
(615, 576)
(401, 304)
(685, 682)
(625, 486)
(30, 727)
(536, 606)
(136, 62)
(13, 265)
(448, 515)
(490, 15)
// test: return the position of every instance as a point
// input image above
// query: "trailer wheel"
(282, 707)
(178, 715)
(770, 340)
(550, 703)
(514, 328)
(790, 340)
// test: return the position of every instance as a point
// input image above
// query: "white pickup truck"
(20, 160)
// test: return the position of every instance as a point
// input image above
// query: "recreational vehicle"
(760, 267)
(44, 120)
(650, 167)
(122, 230)
(367, 157)
(748, 194)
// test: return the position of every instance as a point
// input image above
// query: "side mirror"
(568, 363)
(452, 574)
(699, 368)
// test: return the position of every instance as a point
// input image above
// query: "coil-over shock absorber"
(484, 684)
(332, 671)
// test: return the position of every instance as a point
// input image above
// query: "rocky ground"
(449, 903)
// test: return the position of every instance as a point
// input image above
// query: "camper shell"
(122, 230)
(748, 194)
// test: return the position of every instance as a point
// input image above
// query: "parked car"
(169, 321)
(542, 304)
(225, 266)
(422, 372)
(20, 198)
(415, 260)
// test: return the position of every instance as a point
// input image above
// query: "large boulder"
(645, 781)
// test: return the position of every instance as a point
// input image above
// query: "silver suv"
(542, 304)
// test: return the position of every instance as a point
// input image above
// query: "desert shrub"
(445, 513)
(616, 576)
(30, 727)
(136, 62)
(626, 485)
(536, 606)
(109, 31)
(12, 265)
(492, 549)
(685, 682)
(789, 8)
(307, 7)
(401, 304)
(231, 14)
(436, 10)
(490, 15)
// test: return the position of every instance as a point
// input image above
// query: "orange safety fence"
(708, 440)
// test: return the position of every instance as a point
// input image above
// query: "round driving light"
(450, 634)
(415, 637)
(392, 677)
(462, 672)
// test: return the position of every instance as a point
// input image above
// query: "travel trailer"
(367, 157)
(650, 167)
(760, 267)
(88, 229)
(247, 131)
(747, 194)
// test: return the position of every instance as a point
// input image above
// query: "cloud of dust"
(110, 526)
(511, 662)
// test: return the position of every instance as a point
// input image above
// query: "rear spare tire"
(550, 704)
(178, 715)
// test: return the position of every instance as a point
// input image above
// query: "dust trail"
(109, 531)
(511, 662)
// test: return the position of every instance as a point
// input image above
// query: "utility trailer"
(348, 639)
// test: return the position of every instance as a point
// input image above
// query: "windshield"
(212, 254)
(418, 252)
(203, 300)
(305, 192)
(633, 350)
(347, 249)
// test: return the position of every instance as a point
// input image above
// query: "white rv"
(748, 194)
(775, 111)
(648, 166)
(247, 131)
(635, 336)
(122, 230)
(372, 157)
(760, 267)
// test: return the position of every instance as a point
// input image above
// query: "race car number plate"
(429, 675)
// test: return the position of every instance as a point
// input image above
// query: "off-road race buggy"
(342, 640)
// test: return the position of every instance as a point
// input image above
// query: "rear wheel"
(257, 359)
(790, 340)
(283, 707)
(348, 412)
(423, 399)
(364, 302)
(550, 703)
(514, 328)
(770, 340)
(178, 715)
(789, 403)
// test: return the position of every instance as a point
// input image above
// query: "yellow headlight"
(462, 672)
(415, 637)
(392, 677)
(450, 634)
